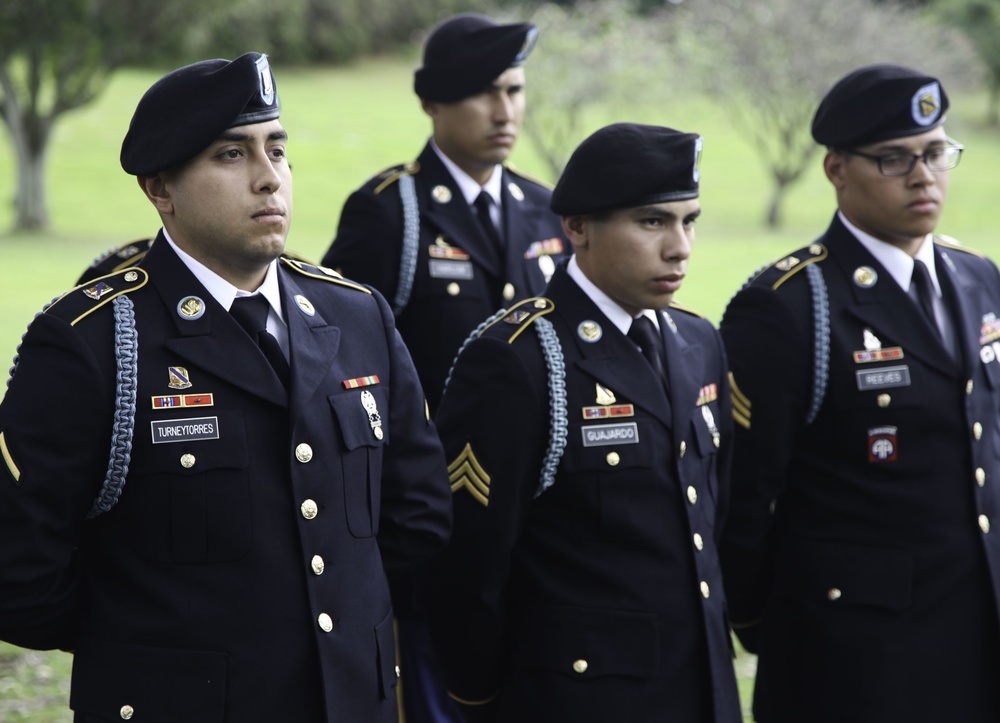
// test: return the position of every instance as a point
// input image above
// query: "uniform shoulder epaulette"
(392, 174)
(785, 268)
(685, 309)
(82, 301)
(123, 255)
(949, 243)
(522, 314)
(528, 177)
(322, 273)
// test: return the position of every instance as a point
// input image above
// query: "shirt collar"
(608, 306)
(469, 188)
(897, 262)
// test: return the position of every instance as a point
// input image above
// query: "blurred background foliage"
(769, 63)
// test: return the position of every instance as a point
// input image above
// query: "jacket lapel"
(682, 359)
(612, 360)
(958, 290)
(883, 305)
(313, 340)
(210, 340)
(451, 215)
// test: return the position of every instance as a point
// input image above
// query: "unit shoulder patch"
(950, 243)
(522, 314)
(322, 273)
(82, 301)
(392, 174)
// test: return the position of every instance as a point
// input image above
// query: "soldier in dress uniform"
(858, 556)
(415, 231)
(589, 435)
(208, 458)
(451, 238)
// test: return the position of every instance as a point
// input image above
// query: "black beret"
(466, 53)
(187, 109)
(625, 165)
(877, 103)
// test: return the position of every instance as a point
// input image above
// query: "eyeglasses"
(940, 158)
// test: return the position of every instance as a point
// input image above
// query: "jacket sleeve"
(55, 422)
(493, 422)
(368, 245)
(770, 356)
(415, 517)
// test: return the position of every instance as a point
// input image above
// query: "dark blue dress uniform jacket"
(450, 299)
(861, 550)
(601, 599)
(203, 595)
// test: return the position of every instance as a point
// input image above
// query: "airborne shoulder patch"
(466, 472)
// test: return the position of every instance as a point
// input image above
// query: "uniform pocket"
(161, 685)
(588, 643)
(618, 462)
(841, 575)
(362, 418)
(189, 498)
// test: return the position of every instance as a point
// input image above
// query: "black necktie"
(482, 204)
(251, 313)
(643, 333)
(921, 281)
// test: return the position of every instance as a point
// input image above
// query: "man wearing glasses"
(859, 559)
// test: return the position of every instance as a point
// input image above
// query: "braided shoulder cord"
(558, 416)
(17, 351)
(821, 341)
(126, 357)
(475, 334)
(411, 236)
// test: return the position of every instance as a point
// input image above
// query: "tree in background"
(770, 64)
(591, 56)
(980, 20)
(56, 56)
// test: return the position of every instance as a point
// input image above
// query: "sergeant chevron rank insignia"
(466, 472)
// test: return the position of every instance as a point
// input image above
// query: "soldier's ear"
(429, 107)
(575, 229)
(833, 165)
(155, 188)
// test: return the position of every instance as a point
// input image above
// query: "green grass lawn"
(346, 124)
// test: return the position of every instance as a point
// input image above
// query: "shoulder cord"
(411, 236)
(821, 336)
(474, 335)
(17, 351)
(126, 357)
(821, 341)
(558, 417)
(556, 366)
